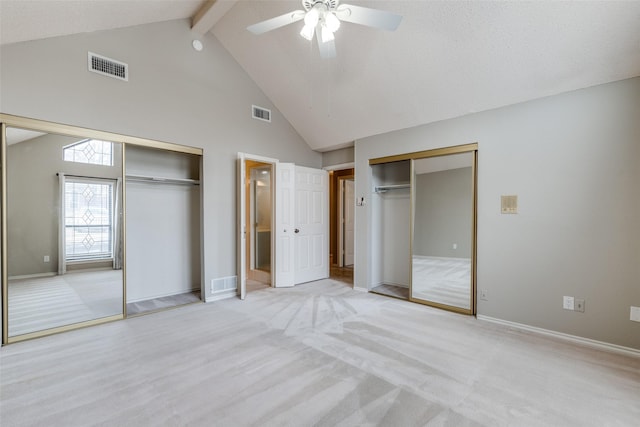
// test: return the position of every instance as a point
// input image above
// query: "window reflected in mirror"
(91, 151)
(64, 230)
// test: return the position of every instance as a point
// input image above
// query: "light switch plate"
(635, 314)
(568, 303)
(509, 204)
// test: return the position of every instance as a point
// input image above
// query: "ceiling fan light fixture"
(322, 18)
(331, 21)
(307, 32)
(327, 34)
(312, 17)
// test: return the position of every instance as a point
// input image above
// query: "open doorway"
(346, 224)
(293, 226)
(259, 198)
(341, 213)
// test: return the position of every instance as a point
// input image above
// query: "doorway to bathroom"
(258, 223)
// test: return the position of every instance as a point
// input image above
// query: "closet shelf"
(385, 188)
(161, 180)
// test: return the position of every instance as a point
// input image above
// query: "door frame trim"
(241, 195)
(340, 225)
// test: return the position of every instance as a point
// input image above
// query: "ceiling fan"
(322, 18)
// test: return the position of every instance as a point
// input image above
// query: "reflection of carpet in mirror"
(442, 280)
(47, 302)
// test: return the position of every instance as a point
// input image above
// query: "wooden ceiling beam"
(209, 14)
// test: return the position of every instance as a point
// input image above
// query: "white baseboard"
(32, 276)
(360, 289)
(447, 258)
(231, 293)
(600, 345)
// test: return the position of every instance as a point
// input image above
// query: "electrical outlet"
(635, 314)
(579, 305)
(46, 258)
(455, 246)
(483, 294)
(568, 303)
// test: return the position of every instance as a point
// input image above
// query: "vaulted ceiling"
(447, 58)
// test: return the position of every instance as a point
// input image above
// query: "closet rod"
(158, 180)
(385, 188)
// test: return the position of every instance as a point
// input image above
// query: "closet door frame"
(439, 152)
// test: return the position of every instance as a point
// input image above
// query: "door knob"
(296, 230)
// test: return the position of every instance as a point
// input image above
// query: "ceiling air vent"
(261, 113)
(108, 67)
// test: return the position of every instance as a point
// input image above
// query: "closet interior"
(163, 229)
(391, 207)
(423, 212)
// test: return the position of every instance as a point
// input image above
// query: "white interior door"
(241, 238)
(349, 227)
(285, 225)
(312, 225)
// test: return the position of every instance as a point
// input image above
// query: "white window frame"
(100, 256)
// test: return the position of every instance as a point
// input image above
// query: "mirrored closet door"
(65, 228)
(442, 239)
(64, 231)
(423, 234)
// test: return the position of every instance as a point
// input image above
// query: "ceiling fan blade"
(327, 49)
(369, 17)
(277, 22)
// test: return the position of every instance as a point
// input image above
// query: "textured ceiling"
(447, 58)
(22, 20)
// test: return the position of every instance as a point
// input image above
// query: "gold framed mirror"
(442, 235)
(63, 225)
(438, 190)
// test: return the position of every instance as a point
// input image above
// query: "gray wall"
(572, 159)
(444, 213)
(174, 94)
(338, 157)
(33, 195)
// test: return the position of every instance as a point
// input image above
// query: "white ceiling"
(447, 58)
(22, 20)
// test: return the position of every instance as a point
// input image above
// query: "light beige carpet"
(318, 354)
